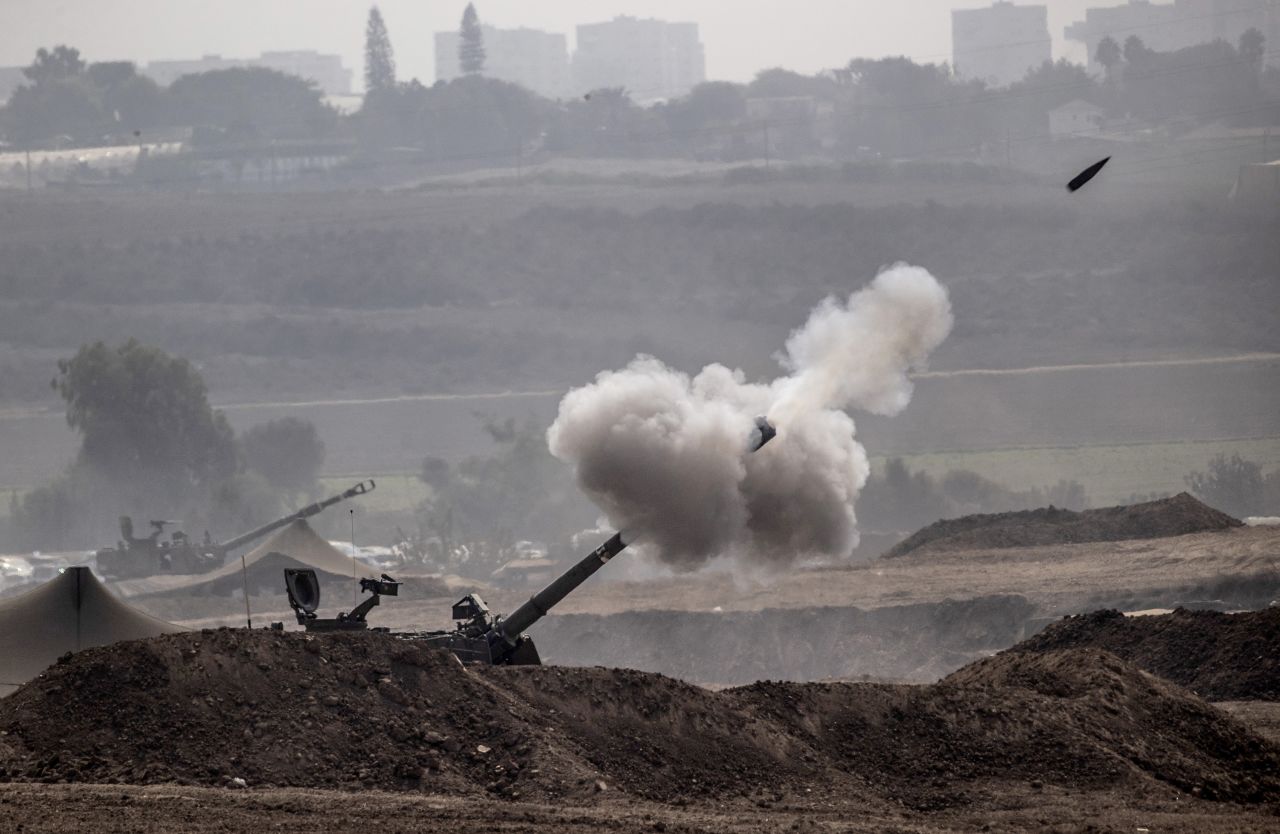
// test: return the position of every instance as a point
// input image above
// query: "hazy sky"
(741, 36)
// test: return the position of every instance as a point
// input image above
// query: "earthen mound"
(372, 710)
(1176, 516)
(1082, 720)
(1222, 657)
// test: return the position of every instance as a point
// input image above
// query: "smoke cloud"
(664, 455)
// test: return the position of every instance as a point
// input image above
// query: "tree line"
(69, 102)
(887, 107)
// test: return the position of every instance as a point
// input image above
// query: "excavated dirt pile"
(1222, 657)
(371, 710)
(1176, 516)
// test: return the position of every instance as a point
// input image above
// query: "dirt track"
(170, 808)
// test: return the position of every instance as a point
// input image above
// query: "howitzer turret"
(478, 634)
(133, 557)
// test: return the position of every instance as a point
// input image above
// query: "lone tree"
(1233, 485)
(1253, 47)
(58, 64)
(471, 53)
(145, 417)
(1108, 54)
(379, 62)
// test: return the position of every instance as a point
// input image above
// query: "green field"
(1110, 474)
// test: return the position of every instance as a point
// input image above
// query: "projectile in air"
(761, 434)
(1086, 175)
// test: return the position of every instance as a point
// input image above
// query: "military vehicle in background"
(150, 555)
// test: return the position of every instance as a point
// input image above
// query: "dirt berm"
(370, 710)
(1222, 657)
(1176, 516)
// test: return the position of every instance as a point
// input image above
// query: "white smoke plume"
(664, 455)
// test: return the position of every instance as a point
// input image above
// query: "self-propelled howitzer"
(481, 636)
(478, 635)
(146, 556)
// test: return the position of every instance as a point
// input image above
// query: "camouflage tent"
(72, 611)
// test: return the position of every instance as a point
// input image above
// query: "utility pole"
(355, 594)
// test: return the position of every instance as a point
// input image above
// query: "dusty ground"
(169, 808)
(1060, 579)
(1059, 741)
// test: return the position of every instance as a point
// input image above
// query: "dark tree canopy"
(471, 54)
(145, 417)
(251, 103)
(778, 82)
(465, 117)
(1108, 53)
(68, 101)
(709, 103)
(54, 109)
(1252, 47)
(379, 61)
(1135, 51)
(288, 453)
(1233, 485)
(58, 64)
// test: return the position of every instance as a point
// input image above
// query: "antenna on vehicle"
(354, 593)
(244, 572)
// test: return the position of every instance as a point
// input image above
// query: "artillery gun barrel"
(538, 606)
(543, 601)
(306, 512)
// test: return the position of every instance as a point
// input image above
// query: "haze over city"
(740, 38)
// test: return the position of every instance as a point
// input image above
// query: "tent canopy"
(295, 545)
(70, 612)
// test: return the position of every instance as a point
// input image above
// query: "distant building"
(1075, 118)
(326, 71)
(652, 59)
(536, 60)
(1165, 27)
(1001, 43)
